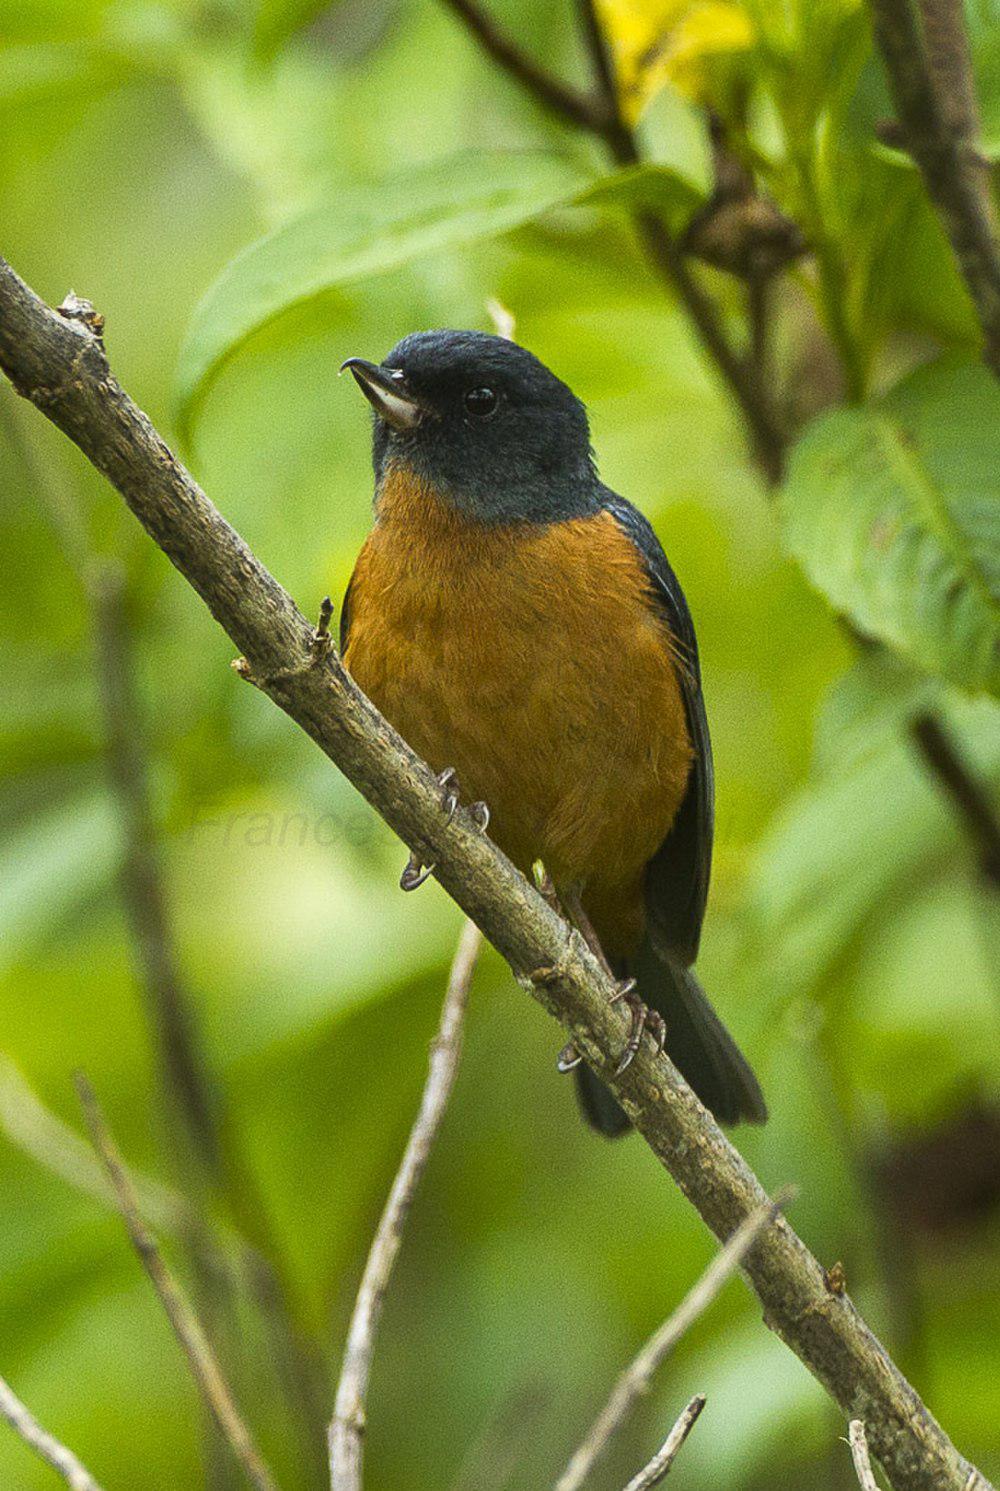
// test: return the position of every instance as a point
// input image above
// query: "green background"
(851, 943)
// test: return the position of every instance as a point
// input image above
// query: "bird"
(519, 625)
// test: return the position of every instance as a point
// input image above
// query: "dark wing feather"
(345, 617)
(678, 874)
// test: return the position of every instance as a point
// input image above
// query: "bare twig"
(635, 1380)
(63, 369)
(184, 1077)
(969, 796)
(347, 1427)
(859, 1452)
(202, 1144)
(36, 1131)
(201, 1358)
(661, 1462)
(604, 120)
(27, 1427)
(554, 95)
(939, 136)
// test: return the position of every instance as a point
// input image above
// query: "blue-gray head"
(484, 424)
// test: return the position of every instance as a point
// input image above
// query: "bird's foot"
(568, 1058)
(415, 872)
(643, 1019)
(450, 798)
(448, 782)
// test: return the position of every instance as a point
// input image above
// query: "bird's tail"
(698, 1044)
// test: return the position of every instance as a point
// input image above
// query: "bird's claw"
(450, 796)
(568, 1058)
(642, 1019)
(415, 872)
(448, 782)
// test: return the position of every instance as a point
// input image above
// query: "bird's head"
(483, 423)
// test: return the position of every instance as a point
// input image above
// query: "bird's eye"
(481, 402)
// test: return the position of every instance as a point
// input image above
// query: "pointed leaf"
(894, 513)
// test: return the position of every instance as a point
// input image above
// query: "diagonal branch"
(634, 1381)
(349, 1416)
(937, 120)
(27, 1427)
(661, 1462)
(62, 368)
(204, 1366)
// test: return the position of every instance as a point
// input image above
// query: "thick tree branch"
(347, 1428)
(27, 1427)
(62, 367)
(931, 83)
(635, 1380)
(661, 1462)
(201, 1358)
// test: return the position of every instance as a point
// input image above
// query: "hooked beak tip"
(387, 393)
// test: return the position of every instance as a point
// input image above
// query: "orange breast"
(530, 660)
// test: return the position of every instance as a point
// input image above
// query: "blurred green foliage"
(358, 157)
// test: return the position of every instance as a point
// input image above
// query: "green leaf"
(277, 21)
(894, 513)
(370, 230)
(853, 845)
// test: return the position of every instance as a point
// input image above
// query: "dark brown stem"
(186, 1079)
(605, 121)
(969, 797)
(61, 366)
(554, 95)
(931, 83)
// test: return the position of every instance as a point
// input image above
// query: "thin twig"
(607, 124)
(27, 1123)
(201, 1358)
(64, 370)
(195, 1113)
(969, 796)
(27, 1427)
(635, 1380)
(660, 1464)
(859, 1452)
(937, 135)
(347, 1427)
(553, 94)
(185, 1079)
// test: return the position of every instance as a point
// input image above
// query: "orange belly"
(530, 660)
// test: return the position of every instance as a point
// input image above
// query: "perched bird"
(519, 625)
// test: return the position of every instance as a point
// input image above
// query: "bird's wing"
(345, 616)
(678, 874)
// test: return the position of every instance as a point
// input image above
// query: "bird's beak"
(386, 392)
